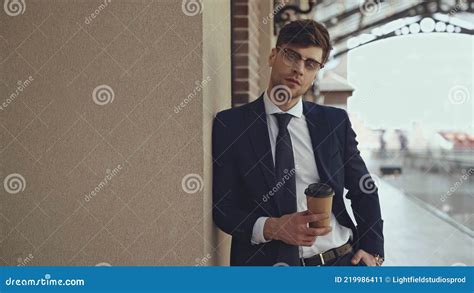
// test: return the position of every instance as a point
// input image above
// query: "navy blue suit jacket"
(243, 173)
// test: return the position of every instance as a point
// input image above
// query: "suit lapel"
(256, 122)
(321, 139)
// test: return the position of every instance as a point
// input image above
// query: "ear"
(271, 58)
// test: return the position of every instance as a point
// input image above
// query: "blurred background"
(403, 70)
(107, 108)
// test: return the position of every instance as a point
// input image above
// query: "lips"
(294, 81)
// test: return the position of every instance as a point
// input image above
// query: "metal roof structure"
(353, 23)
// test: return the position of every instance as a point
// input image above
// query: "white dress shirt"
(306, 173)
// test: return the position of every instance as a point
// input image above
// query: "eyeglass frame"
(321, 65)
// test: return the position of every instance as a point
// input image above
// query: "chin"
(295, 91)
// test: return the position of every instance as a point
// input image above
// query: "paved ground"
(414, 236)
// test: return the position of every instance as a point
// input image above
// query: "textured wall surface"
(101, 125)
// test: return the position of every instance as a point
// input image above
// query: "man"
(268, 151)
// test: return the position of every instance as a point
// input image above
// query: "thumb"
(356, 258)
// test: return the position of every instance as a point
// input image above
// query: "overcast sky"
(423, 77)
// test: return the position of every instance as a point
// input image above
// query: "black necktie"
(285, 166)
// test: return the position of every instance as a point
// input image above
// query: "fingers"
(361, 255)
(317, 231)
(309, 235)
(357, 257)
(308, 241)
(298, 231)
(366, 261)
(308, 218)
(369, 260)
(303, 213)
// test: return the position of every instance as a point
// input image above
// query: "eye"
(311, 64)
(292, 55)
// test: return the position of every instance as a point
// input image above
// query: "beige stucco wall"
(216, 97)
(266, 40)
(115, 117)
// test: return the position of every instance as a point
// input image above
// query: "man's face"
(294, 75)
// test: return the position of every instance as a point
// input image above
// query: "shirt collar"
(271, 108)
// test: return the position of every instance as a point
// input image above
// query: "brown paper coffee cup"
(319, 200)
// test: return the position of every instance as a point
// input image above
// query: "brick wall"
(246, 19)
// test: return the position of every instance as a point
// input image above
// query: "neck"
(287, 106)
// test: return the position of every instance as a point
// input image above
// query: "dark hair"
(306, 33)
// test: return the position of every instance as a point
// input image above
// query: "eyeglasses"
(291, 57)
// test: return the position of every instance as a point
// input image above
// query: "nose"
(298, 67)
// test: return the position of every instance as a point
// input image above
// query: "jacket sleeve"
(363, 194)
(229, 211)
